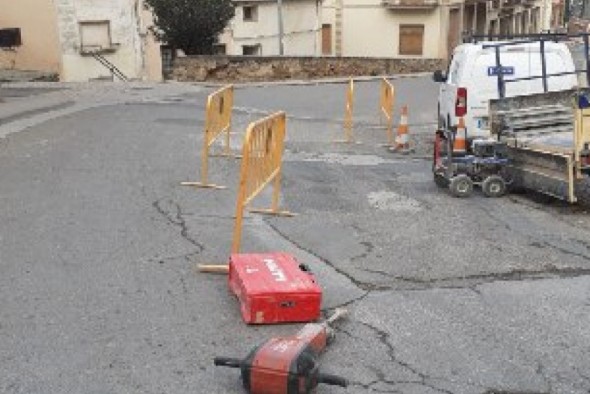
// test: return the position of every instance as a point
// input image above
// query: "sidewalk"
(25, 104)
(27, 76)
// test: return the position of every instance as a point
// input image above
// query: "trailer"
(547, 137)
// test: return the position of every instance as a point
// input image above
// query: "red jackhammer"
(288, 365)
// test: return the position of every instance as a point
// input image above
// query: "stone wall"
(258, 68)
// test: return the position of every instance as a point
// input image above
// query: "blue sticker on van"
(509, 70)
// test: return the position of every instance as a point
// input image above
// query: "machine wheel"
(582, 192)
(493, 186)
(461, 186)
(441, 181)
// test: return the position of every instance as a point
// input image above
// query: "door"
(448, 90)
(326, 39)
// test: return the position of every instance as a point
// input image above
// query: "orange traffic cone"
(402, 142)
(460, 144)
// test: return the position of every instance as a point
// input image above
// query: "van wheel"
(493, 186)
(461, 186)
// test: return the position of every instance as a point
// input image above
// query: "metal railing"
(469, 37)
(110, 66)
(410, 4)
(542, 39)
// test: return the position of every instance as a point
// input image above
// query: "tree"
(190, 25)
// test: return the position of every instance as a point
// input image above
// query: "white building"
(377, 28)
(390, 28)
(73, 37)
(422, 28)
(254, 30)
(115, 29)
(509, 17)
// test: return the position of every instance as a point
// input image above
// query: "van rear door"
(519, 61)
(448, 90)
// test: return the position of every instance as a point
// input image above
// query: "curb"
(301, 82)
(241, 85)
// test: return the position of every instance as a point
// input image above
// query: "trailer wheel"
(493, 186)
(461, 186)
(582, 192)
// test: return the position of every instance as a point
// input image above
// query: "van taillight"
(461, 103)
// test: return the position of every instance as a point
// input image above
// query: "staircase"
(110, 66)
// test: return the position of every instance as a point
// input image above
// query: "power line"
(277, 35)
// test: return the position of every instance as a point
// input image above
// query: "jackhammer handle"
(338, 313)
(332, 380)
(227, 362)
(214, 269)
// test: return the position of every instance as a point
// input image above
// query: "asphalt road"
(99, 243)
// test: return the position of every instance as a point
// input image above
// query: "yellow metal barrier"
(386, 102)
(218, 114)
(348, 114)
(262, 157)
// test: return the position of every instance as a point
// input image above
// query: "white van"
(471, 80)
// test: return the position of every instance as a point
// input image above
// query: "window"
(219, 49)
(95, 35)
(411, 39)
(251, 50)
(250, 13)
(10, 38)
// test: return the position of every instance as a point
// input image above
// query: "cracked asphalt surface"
(99, 244)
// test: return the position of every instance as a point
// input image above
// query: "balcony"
(90, 50)
(410, 4)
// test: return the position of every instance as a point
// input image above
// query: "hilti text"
(275, 270)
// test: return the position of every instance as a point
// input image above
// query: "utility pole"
(281, 33)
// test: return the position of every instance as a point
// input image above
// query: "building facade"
(254, 30)
(390, 28)
(67, 36)
(509, 17)
(34, 21)
(426, 28)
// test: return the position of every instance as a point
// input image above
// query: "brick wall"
(258, 68)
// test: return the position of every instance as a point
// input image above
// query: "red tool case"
(274, 288)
